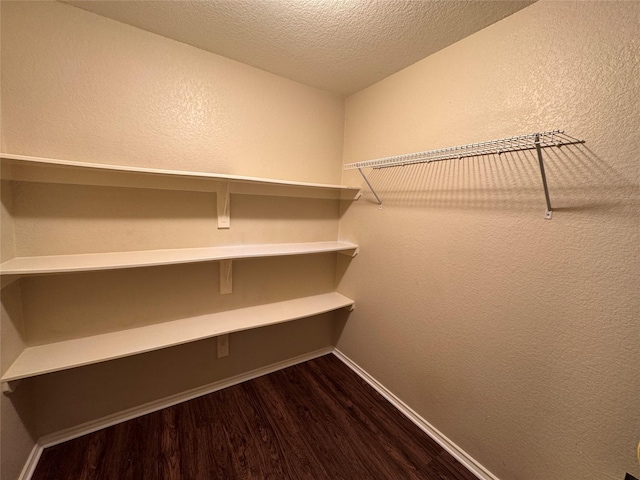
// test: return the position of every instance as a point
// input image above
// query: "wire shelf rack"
(532, 141)
(553, 138)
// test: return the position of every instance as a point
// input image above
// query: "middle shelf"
(38, 265)
(54, 357)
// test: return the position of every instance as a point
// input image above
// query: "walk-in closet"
(297, 239)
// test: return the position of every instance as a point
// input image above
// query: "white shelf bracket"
(224, 206)
(10, 387)
(226, 277)
(8, 280)
(223, 345)
(350, 196)
(370, 187)
(350, 253)
(350, 308)
(549, 212)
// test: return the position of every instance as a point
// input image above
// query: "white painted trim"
(458, 453)
(110, 420)
(31, 463)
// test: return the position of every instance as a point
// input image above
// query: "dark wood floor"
(316, 420)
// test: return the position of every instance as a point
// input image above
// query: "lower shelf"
(68, 354)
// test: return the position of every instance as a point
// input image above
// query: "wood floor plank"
(301, 460)
(343, 454)
(317, 420)
(396, 434)
(332, 455)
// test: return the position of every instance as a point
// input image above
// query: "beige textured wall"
(7, 248)
(515, 336)
(81, 87)
(16, 413)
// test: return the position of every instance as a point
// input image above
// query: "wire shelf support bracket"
(532, 141)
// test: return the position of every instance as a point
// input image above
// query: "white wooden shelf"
(53, 357)
(147, 258)
(68, 354)
(27, 168)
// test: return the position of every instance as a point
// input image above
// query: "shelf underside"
(68, 354)
(148, 258)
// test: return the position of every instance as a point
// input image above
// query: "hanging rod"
(532, 141)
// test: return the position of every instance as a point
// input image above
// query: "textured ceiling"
(338, 45)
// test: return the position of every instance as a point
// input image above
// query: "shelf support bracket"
(350, 253)
(224, 206)
(370, 187)
(226, 277)
(549, 213)
(223, 345)
(7, 280)
(10, 387)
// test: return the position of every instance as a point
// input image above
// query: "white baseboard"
(31, 463)
(110, 420)
(74, 432)
(458, 453)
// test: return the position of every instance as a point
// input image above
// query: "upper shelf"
(532, 141)
(148, 258)
(27, 168)
(552, 138)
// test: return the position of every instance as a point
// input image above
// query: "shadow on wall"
(578, 181)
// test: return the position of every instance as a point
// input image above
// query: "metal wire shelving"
(532, 141)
